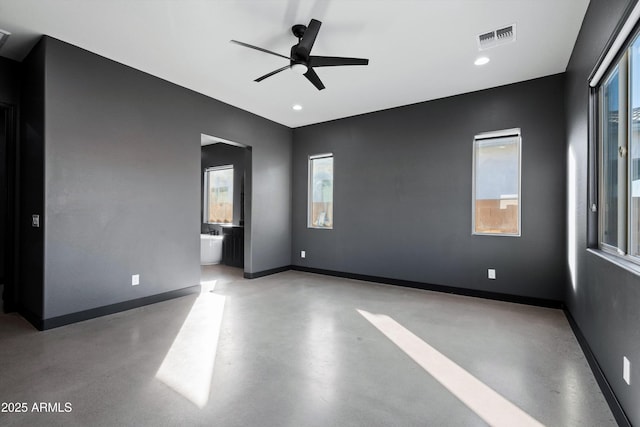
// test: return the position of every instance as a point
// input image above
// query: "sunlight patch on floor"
(188, 366)
(480, 398)
(572, 215)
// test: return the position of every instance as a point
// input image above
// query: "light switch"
(35, 221)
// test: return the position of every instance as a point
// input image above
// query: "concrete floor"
(292, 349)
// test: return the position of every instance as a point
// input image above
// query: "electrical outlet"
(626, 370)
(491, 273)
(303, 254)
(135, 280)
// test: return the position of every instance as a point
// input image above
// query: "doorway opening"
(8, 236)
(225, 241)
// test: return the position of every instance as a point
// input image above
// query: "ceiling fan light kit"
(299, 68)
(300, 59)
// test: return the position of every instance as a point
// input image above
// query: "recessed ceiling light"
(482, 60)
(297, 107)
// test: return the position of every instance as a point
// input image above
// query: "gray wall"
(602, 297)
(221, 154)
(122, 182)
(418, 160)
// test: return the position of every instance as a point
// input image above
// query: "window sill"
(627, 265)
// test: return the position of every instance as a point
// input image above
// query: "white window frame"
(310, 190)
(205, 205)
(506, 133)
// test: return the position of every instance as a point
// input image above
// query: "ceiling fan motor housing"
(298, 55)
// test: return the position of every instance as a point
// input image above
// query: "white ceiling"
(418, 49)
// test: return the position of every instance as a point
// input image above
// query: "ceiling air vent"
(497, 37)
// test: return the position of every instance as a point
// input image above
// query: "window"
(320, 210)
(619, 155)
(218, 195)
(496, 183)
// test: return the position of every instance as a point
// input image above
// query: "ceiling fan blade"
(259, 79)
(258, 48)
(313, 78)
(332, 61)
(309, 37)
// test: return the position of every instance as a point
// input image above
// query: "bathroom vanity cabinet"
(233, 246)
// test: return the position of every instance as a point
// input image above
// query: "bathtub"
(210, 249)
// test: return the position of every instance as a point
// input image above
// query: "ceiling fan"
(300, 60)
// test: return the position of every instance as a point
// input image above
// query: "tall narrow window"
(496, 183)
(218, 195)
(320, 210)
(614, 137)
(619, 144)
